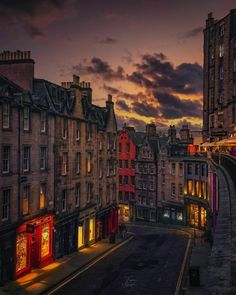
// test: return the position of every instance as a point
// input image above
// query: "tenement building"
(58, 167)
(219, 96)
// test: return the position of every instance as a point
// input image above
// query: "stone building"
(219, 77)
(58, 167)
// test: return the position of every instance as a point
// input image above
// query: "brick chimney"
(18, 67)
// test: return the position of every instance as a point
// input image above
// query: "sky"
(146, 53)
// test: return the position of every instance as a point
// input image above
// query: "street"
(149, 264)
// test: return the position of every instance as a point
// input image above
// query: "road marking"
(177, 289)
(86, 267)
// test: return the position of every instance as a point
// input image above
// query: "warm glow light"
(91, 229)
(80, 236)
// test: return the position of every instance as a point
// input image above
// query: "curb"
(52, 289)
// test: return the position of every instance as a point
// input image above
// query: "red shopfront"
(113, 220)
(34, 244)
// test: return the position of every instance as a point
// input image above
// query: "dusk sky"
(146, 53)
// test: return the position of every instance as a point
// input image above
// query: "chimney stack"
(18, 67)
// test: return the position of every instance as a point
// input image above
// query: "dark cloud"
(172, 107)
(154, 72)
(108, 41)
(193, 33)
(32, 15)
(122, 105)
(145, 109)
(128, 57)
(139, 125)
(118, 93)
(100, 68)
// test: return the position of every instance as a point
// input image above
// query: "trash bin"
(194, 276)
(112, 239)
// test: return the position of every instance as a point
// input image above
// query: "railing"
(228, 162)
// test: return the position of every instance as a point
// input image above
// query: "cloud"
(100, 68)
(192, 33)
(122, 105)
(145, 109)
(108, 41)
(118, 93)
(34, 16)
(139, 125)
(172, 107)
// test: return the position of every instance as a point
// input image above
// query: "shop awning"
(227, 142)
(208, 144)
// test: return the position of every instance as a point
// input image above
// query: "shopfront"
(197, 214)
(106, 222)
(172, 213)
(34, 244)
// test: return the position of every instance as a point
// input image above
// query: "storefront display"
(21, 251)
(45, 239)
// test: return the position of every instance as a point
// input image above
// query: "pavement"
(39, 281)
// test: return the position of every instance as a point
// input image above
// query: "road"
(149, 264)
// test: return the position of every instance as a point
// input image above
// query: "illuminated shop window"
(80, 236)
(179, 216)
(197, 188)
(21, 251)
(166, 213)
(203, 217)
(194, 214)
(42, 193)
(91, 229)
(190, 186)
(45, 239)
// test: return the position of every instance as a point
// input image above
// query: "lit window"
(100, 145)
(166, 213)
(5, 116)
(26, 118)
(25, 199)
(6, 204)
(91, 229)
(80, 236)
(43, 121)
(42, 195)
(6, 159)
(89, 162)
(26, 159)
(43, 158)
(190, 187)
(64, 200)
(221, 50)
(21, 251)
(45, 239)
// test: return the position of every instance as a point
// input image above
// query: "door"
(34, 248)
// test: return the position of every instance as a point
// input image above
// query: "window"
(6, 204)
(173, 169)
(77, 162)
(144, 185)
(26, 159)
(132, 164)
(120, 147)
(89, 162)
(203, 170)
(65, 128)
(77, 133)
(151, 186)
(180, 189)
(114, 191)
(180, 169)
(77, 195)
(108, 194)
(64, 200)
(114, 143)
(43, 121)
(120, 179)
(173, 189)
(120, 195)
(89, 131)
(190, 186)
(132, 180)
(126, 164)
(127, 147)
(163, 195)
(163, 179)
(5, 116)
(64, 167)
(6, 150)
(26, 119)
(126, 179)
(25, 199)
(197, 169)
(43, 158)
(108, 142)
(221, 30)
(163, 164)
(89, 192)
(234, 66)
(126, 196)
(100, 145)
(100, 196)
(197, 188)
(120, 164)
(221, 71)
(42, 195)
(100, 168)
(189, 169)
(221, 50)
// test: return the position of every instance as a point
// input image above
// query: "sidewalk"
(199, 257)
(41, 280)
